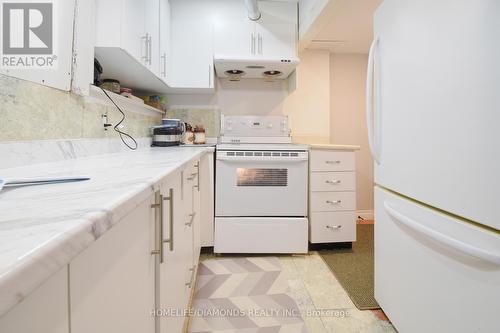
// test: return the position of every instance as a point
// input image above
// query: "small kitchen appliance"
(169, 133)
(261, 187)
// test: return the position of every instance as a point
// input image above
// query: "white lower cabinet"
(43, 311)
(181, 234)
(332, 196)
(137, 277)
(207, 209)
(112, 285)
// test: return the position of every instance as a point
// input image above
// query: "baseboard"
(365, 214)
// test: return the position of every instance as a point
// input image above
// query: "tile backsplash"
(29, 111)
(209, 118)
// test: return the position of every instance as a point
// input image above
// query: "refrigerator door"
(436, 104)
(434, 273)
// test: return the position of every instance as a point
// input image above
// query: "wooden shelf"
(96, 94)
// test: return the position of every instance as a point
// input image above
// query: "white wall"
(348, 121)
(308, 106)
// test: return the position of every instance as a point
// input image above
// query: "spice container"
(111, 85)
(188, 135)
(199, 135)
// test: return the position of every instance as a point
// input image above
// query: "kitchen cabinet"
(274, 35)
(58, 76)
(332, 196)
(191, 63)
(46, 308)
(112, 283)
(164, 38)
(152, 30)
(207, 208)
(129, 42)
(181, 246)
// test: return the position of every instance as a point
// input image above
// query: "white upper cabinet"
(191, 57)
(164, 38)
(276, 40)
(234, 38)
(152, 29)
(274, 35)
(128, 36)
(59, 74)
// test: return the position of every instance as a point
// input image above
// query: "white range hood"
(235, 68)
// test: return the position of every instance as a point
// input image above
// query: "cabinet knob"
(333, 182)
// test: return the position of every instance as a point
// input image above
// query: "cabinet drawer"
(326, 227)
(332, 201)
(333, 181)
(327, 160)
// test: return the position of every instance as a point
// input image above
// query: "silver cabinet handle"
(159, 205)
(332, 162)
(333, 182)
(145, 57)
(156, 206)
(164, 57)
(190, 223)
(191, 279)
(150, 42)
(197, 166)
(336, 202)
(260, 46)
(169, 240)
(252, 43)
(333, 227)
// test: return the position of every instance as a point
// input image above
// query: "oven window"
(261, 177)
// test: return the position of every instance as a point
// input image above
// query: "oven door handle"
(261, 159)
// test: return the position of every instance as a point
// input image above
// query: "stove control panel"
(255, 126)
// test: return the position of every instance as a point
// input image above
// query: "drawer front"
(329, 227)
(333, 181)
(260, 235)
(327, 160)
(332, 201)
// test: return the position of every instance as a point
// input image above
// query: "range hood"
(235, 68)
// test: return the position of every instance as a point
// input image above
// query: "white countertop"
(331, 146)
(42, 228)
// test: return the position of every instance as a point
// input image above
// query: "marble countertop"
(333, 146)
(42, 228)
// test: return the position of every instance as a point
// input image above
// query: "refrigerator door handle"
(369, 99)
(461, 246)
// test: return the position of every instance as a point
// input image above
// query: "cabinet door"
(152, 28)
(173, 273)
(164, 38)
(276, 40)
(45, 310)
(235, 38)
(60, 75)
(112, 282)
(192, 54)
(197, 215)
(133, 36)
(207, 200)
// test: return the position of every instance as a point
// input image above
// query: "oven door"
(261, 183)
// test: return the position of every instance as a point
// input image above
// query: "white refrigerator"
(433, 112)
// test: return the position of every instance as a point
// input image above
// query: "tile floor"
(325, 305)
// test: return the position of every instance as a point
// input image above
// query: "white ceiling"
(348, 28)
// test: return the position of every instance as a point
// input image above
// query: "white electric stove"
(261, 187)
